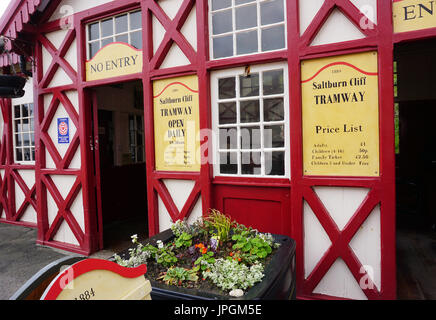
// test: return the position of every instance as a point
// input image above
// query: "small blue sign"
(63, 130)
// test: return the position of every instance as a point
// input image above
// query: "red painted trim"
(87, 265)
(382, 189)
(336, 64)
(173, 84)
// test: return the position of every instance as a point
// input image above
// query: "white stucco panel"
(341, 203)
(189, 29)
(68, 7)
(179, 191)
(171, 7)
(337, 28)
(53, 130)
(308, 10)
(165, 220)
(368, 8)
(316, 240)
(366, 244)
(339, 282)
(174, 58)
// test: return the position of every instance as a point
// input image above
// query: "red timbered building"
(81, 149)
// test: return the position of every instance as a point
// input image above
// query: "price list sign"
(340, 110)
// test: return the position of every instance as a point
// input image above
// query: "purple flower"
(213, 244)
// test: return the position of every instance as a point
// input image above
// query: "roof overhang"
(17, 21)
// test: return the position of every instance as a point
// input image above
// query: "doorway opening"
(119, 158)
(415, 115)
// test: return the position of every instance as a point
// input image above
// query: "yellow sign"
(411, 15)
(176, 124)
(115, 59)
(341, 115)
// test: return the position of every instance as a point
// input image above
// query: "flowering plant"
(221, 252)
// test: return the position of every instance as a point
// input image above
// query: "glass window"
(24, 135)
(241, 27)
(136, 138)
(249, 118)
(126, 28)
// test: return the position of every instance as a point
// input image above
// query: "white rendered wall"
(68, 7)
(180, 191)
(342, 204)
(175, 56)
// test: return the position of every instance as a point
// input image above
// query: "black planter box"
(277, 284)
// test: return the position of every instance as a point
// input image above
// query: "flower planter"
(277, 284)
(11, 86)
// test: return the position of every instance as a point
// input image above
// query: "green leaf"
(247, 247)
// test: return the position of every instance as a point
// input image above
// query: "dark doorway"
(120, 163)
(415, 106)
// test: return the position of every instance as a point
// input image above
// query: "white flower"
(160, 244)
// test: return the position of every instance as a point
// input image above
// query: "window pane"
(26, 139)
(32, 126)
(18, 140)
(221, 4)
(223, 47)
(227, 88)
(242, 1)
(121, 24)
(26, 154)
(249, 85)
(25, 109)
(271, 12)
(273, 38)
(222, 22)
(17, 112)
(31, 109)
(33, 154)
(228, 163)
(273, 110)
(19, 154)
(228, 138)
(136, 39)
(94, 31)
(32, 139)
(273, 82)
(246, 42)
(227, 113)
(275, 163)
(250, 138)
(93, 48)
(18, 127)
(139, 123)
(246, 17)
(274, 136)
(26, 125)
(106, 41)
(250, 111)
(251, 163)
(123, 38)
(107, 28)
(140, 154)
(135, 20)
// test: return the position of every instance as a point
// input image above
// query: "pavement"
(21, 258)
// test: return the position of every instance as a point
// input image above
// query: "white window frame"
(114, 35)
(30, 132)
(236, 72)
(259, 29)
